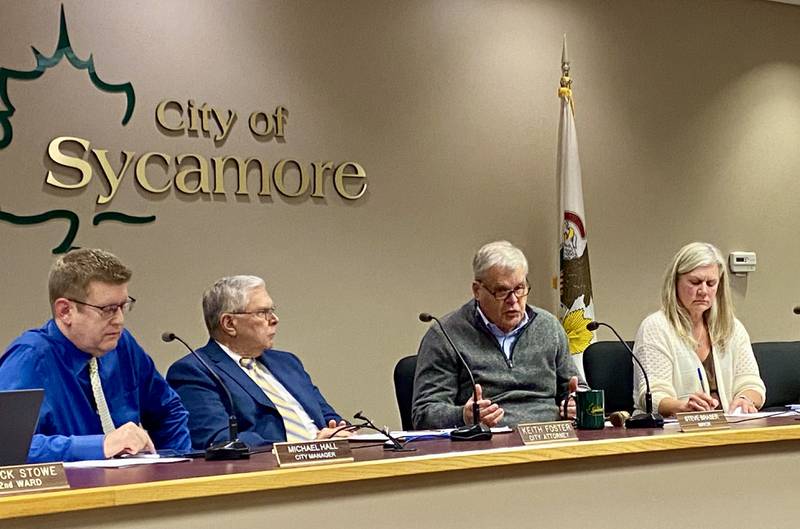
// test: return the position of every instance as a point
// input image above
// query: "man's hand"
(572, 387)
(127, 439)
(325, 433)
(490, 414)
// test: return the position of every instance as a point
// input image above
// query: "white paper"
(149, 459)
(413, 434)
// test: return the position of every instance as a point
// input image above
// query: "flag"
(577, 304)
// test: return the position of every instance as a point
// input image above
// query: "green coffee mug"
(590, 409)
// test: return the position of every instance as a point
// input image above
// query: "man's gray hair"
(228, 294)
(498, 253)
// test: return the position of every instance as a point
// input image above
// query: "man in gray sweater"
(518, 353)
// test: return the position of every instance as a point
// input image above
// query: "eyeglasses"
(519, 291)
(264, 314)
(108, 311)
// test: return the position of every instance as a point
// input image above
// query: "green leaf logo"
(63, 49)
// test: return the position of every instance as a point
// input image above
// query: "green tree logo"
(43, 63)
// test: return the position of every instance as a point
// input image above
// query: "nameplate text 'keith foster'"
(546, 432)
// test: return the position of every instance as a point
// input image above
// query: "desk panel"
(727, 471)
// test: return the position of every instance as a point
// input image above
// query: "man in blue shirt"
(103, 395)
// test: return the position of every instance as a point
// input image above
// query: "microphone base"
(645, 420)
(228, 451)
(476, 432)
(388, 446)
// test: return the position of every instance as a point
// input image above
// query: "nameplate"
(319, 452)
(29, 478)
(693, 421)
(546, 432)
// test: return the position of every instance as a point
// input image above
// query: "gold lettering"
(279, 117)
(319, 174)
(108, 171)
(198, 117)
(194, 116)
(161, 115)
(254, 128)
(202, 174)
(241, 165)
(141, 168)
(266, 183)
(205, 113)
(278, 175)
(224, 127)
(340, 175)
(55, 154)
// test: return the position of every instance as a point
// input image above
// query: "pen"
(700, 376)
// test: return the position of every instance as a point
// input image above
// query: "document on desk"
(401, 435)
(411, 435)
(149, 459)
(759, 414)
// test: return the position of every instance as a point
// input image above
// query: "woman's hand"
(698, 401)
(744, 403)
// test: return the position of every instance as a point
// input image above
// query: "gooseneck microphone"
(796, 310)
(392, 444)
(648, 419)
(233, 448)
(478, 431)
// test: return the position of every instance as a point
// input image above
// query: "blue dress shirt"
(69, 428)
(505, 340)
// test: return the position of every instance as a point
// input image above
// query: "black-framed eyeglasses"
(264, 314)
(108, 311)
(519, 291)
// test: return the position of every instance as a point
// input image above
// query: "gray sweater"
(528, 386)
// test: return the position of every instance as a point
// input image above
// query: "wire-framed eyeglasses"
(108, 311)
(264, 314)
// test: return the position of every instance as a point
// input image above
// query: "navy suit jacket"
(259, 420)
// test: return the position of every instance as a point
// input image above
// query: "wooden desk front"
(743, 477)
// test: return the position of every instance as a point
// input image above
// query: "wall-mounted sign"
(78, 160)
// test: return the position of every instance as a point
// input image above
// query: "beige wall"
(688, 116)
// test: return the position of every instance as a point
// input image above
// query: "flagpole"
(576, 303)
(565, 90)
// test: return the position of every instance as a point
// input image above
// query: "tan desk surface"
(100, 488)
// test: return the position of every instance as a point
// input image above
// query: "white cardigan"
(672, 365)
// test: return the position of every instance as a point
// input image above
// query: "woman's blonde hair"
(719, 318)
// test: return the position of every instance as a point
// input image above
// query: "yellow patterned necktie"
(100, 398)
(295, 428)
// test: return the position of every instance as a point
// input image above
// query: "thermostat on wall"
(742, 262)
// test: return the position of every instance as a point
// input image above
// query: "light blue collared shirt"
(505, 340)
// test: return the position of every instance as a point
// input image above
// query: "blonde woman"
(697, 354)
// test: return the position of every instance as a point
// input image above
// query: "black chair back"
(608, 366)
(779, 364)
(404, 388)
